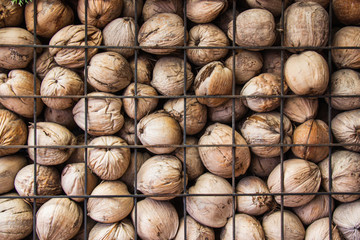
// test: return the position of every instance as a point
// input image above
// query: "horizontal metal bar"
(181, 195)
(180, 145)
(181, 47)
(183, 96)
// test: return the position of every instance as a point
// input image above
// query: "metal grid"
(135, 195)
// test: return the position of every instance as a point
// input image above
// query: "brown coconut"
(16, 57)
(219, 160)
(99, 13)
(20, 83)
(13, 131)
(74, 35)
(51, 16)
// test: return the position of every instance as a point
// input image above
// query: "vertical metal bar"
(135, 114)
(329, 119)
(282, 123)
(233, 149)
(184, 130)
(86, 118)
(35, 122)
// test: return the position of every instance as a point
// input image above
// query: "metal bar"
(282, 124)
(184, 130)
(183, 195)
(35, 122)
(177, 145)
(135, 116)
(182, 47)
(86, 102)
(329, 119)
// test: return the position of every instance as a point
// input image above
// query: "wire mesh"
(181, 204)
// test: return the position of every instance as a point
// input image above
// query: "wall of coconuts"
(180, 119)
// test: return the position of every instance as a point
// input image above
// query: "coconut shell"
(50, 134)
(16, 57)
(78, 156)
(13, 131)
(9, 167)
(110, 209)
(247, 65)
(300, 176)
(107, 162)
(323, 3)
(313, 131)
(161, 174)
(153, 7)
(301, 109)
(253, 205)
(345, 166)
(104, 114)
(194, 165)
(121, 230)
(74, 35)
(315, 209)
(12, 14)
(51, 16)
(59, 218)
(99, 13)
(168, 76)
(263, 166)
(347, 11)
(159, 128)
(206, 35)
(213, 79)
(211, 211)
(145, 105)
(307, 73)
(345, 82)
(89, 225)
(20, 83)
(347, 220)
(246, 227)
(60, 81)
(44, 63)
(194, 230)
(345, 127)
(127, 132)
(155, 219)
(224, 112)
(293, 228)
(267, 84)
(120, 32)
(320, 230)
(346, 58)
(144, 68)
(200, 11)
(162, 30)
(222, 21)
(219, 159)
(109, 72)
(272, 61)
(264, 129)
(305, 24)
(254, 28)
(16, 217)
(47, 182)
(196, 114)
(73, 180)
